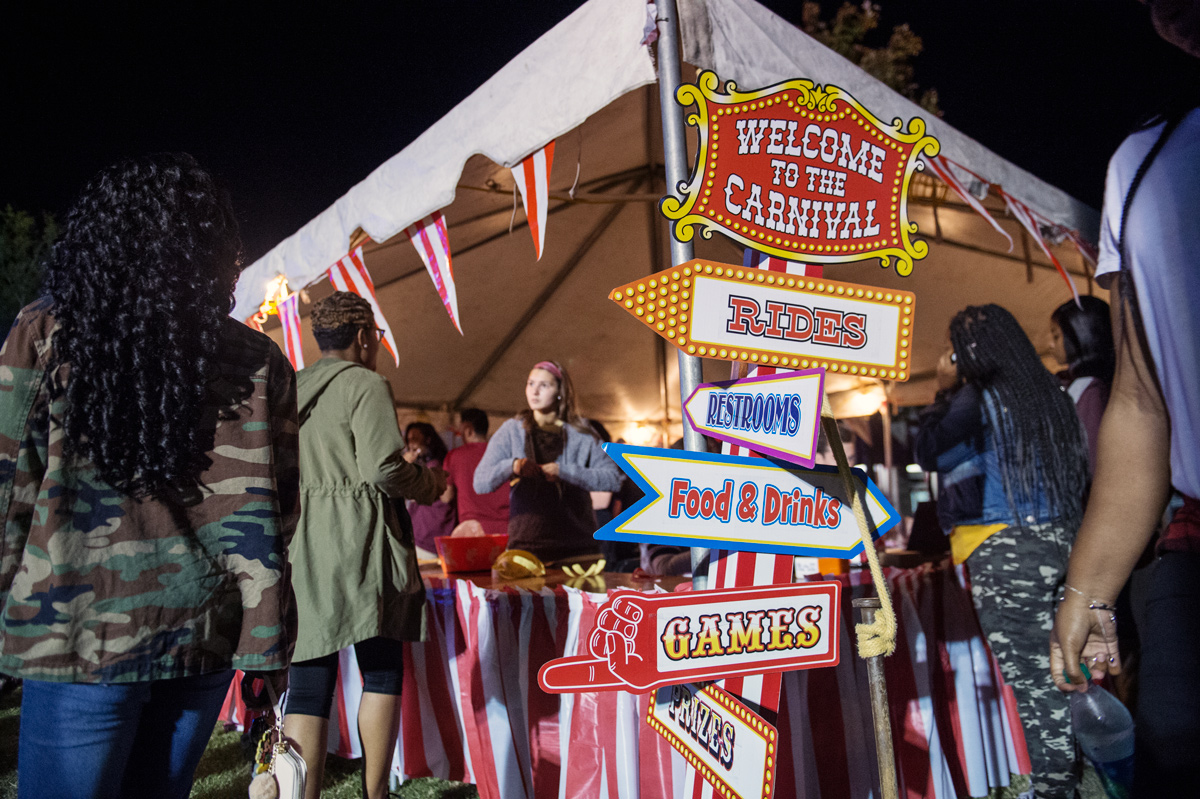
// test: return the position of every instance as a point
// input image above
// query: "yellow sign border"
(826, 103)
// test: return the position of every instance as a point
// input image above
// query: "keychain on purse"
(279, 771)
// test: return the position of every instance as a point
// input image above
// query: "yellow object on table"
(517, 564)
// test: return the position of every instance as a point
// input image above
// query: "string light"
(276, 292)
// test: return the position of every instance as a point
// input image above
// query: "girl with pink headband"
(552, 460)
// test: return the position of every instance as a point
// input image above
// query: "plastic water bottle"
(1104, 730)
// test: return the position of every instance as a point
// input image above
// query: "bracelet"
(1070, 587)
(1093, 604)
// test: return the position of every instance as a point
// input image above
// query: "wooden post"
(884, 753)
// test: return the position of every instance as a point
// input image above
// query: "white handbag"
(279, 771)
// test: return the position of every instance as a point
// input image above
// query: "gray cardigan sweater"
(583, 462)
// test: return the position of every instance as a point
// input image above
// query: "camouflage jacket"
(97, 586)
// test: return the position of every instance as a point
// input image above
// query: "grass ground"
(224, 773)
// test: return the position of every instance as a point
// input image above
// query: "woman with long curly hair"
(148, 486)
(552, 459)
(1009, 451)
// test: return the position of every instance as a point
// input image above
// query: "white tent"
(586, 84)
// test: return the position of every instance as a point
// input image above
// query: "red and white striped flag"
(941, 165)
(1026, 217)
(289, 317)
(350, 274)
(533, 179)
(433, 245)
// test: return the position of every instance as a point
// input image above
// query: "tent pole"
(675, 156)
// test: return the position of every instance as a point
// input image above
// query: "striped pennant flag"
(533, 179)
(941, 166)
(350, 274)
(289, 316)
(1025, 216)
(433, 245)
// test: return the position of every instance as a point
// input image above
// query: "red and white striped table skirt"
(472, 709)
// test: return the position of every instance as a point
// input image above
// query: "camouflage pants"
(1015, 578)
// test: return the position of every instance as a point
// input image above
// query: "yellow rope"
(878, 637)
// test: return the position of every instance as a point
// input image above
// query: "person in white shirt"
(1149, 438)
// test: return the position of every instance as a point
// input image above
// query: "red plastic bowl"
(474, 554)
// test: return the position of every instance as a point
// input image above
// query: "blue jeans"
(94, 741)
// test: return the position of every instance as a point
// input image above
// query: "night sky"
(292, 107)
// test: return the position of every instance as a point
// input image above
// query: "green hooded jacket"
(354, 569)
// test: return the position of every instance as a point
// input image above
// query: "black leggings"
(311, 683)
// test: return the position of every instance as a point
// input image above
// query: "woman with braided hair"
(148, 489)
(1012, 464)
